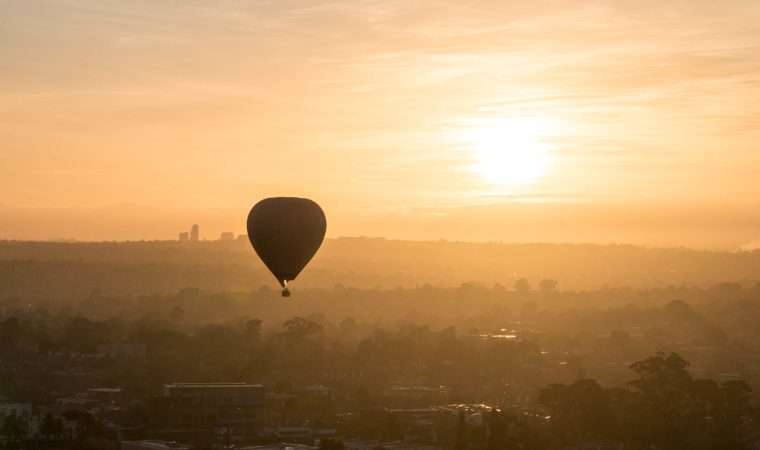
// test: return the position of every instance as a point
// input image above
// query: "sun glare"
(509, 151)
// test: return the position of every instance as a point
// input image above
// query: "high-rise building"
(184, 236)
(194, 232)
(227, 236)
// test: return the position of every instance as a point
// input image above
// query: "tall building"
(184, 236)
(227, 236)
(194, 232)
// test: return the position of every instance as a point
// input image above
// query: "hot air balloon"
(286, 232)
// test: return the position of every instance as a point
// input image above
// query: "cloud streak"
(359, 100)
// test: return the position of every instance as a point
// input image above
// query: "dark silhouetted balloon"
(286, 232)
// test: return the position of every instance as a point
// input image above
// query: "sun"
(509, 151)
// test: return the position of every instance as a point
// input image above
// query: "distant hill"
(166, 266)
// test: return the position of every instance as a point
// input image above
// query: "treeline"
(370, 262)
(716, 328)
(200, 336)
(663, 407)
(298, 353)
(58, 282)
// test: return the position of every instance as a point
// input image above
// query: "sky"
(124, 120)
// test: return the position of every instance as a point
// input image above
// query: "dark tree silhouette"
(497, 432)
(522, 286)
(548, 285)
(460, 442)
(331, 444)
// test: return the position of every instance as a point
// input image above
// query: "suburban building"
(20, 410)
(227, 407)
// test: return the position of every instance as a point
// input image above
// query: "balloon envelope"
(286, 232)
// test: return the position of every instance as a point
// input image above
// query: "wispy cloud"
(360, 97)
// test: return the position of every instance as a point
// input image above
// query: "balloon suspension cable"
(285, 290)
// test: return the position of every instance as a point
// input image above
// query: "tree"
(331, 444)
(253, 330)
(391, 430)
(13, 428)
(48, 426)
(10, 331)
(348, 327)
(667, 392)
(522, 286)
(735, 405)
(460, 442)
(298, 328)
(736, 400)
(548, 285)
(580, 412)
(177, 314)
(91, 433)
(620, 339)
(680, 311)
(84, 335)
(664, 381)
(497, 433)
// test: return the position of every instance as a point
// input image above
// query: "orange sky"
(381, 111)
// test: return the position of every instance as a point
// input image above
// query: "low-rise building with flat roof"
(195, 406)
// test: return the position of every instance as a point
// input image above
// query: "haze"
(423, 120)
